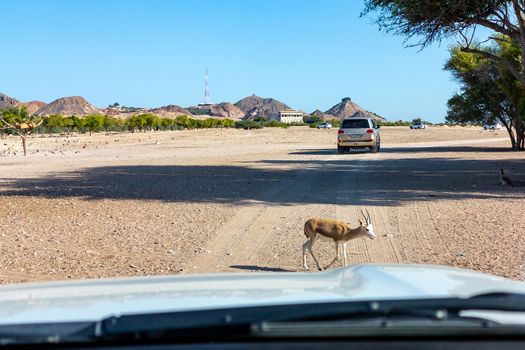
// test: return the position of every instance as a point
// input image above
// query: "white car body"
(91, 300)
(418, 126)
(324, 126)
(492, 126)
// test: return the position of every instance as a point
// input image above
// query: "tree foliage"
(18, 121)
(433, 20)
(313, 119)
(489, 92)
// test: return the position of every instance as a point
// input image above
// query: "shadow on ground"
(344, 180)
(259, 268)
(444, 149)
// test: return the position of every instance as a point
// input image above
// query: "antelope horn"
(369, 219)
(364, 215)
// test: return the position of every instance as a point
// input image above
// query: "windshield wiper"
(259, 320)
(352, 318)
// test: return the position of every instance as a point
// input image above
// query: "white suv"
(418, 125)
(496, 126)
(325, 125)
(358, 133)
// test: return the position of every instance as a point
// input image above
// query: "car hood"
(91, 300)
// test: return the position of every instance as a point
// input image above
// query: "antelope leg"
(313, 256)
(305, 247)
(344, 254)
(336, 256)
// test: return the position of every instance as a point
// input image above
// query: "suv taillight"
(370, 131)
(341, 131)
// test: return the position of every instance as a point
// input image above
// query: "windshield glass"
(355, 124)
(215, 154)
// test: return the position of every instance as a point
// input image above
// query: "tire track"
(268, 234)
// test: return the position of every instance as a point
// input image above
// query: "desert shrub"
(275, 124)
(313, 119)
(396, 123)
(260, 119)
(227, 123)
(247, 124)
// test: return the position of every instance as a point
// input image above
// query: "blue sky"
(308, 54)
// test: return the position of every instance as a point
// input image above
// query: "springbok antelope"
(335, 231)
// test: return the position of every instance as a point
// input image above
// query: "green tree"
(489, 92)
(151, 121)
(136, 122)
(167, 123)
(107, 122)
(183, 121)
(78, 123)
(94, 122)
(68, 123)
(336, 123)
(53, 121)
(432, 21)
(17, 120)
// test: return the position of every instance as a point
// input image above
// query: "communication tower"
(207, 99)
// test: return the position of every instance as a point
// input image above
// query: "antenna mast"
(207, 100)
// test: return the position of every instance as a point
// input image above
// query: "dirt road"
(267, 237)
(230, 200)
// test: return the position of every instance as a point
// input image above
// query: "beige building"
(288, 116)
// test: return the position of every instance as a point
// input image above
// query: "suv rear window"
(355, 124)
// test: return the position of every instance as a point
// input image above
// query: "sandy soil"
(192, 201)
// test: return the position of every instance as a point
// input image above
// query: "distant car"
(418, 125)
(492, 126)
(358, 133)
(324, 126)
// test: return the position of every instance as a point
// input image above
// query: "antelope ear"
(361, 222)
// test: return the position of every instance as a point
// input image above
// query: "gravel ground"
(153, 203)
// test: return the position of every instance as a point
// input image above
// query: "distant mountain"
(346, 108)
(257, 106)
(170, 111)
(322, 115)
(8, 102)
(33, 106)
(73, 105)
(226, 110)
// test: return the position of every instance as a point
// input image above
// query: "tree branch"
(500, 29)
(498, 59)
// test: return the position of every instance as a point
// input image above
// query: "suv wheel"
(375, 148)
(340, 149)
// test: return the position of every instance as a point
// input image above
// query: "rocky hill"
(73, 105)
(33, 106)
(346, 108)
(322, 115)
(257, 106)
(170, 111)
(8, 102)
(226, 110)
